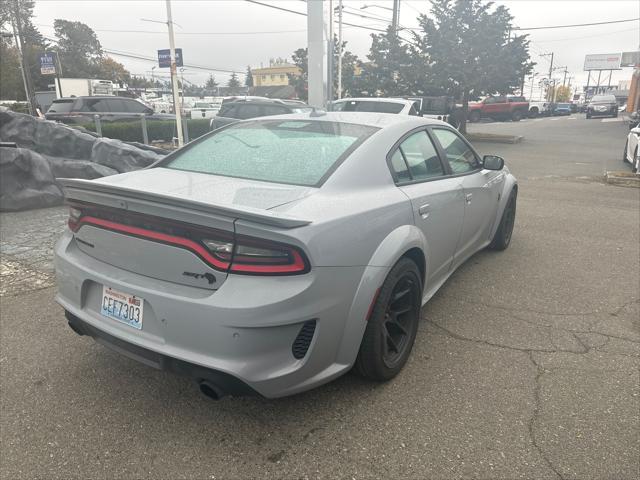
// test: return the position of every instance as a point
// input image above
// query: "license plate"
(122, 307)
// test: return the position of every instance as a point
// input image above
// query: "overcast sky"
(225, 34)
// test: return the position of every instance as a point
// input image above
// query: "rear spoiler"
(90, 191)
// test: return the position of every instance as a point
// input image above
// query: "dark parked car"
(76, 110)
(244, 109)
(604, 105)
(561, 109)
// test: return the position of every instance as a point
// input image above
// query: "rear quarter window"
(61, 106)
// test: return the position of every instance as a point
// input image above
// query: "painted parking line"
(617, 119)
(554, 119)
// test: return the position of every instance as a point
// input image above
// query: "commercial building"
(275, 75)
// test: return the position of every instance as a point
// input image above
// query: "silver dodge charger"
(273, 255)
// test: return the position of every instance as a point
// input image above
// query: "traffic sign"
(48, 63)
(164, 58)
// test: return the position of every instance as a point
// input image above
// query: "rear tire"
(502, 237)
(635, 166)
(588, 116)
(533, 113)
(516, 116)
(474, 116)
(391, 330)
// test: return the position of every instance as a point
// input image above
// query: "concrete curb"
(495, 138)
(622, 179)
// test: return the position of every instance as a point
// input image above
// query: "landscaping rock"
(26, 180)
(121, 156)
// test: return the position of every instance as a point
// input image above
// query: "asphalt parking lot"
(526, 364)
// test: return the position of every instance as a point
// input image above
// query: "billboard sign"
(164, 58)
(602, 61)
(47, 63)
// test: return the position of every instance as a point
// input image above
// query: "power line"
(578, 24)
(587, 36)
(138, 56)
(187, 33)
(304, 15)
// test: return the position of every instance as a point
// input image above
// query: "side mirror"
(492, 162)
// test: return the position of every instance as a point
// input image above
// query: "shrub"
(131, 131)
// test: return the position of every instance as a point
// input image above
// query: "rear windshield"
(61, 106)
(298, 152)
(603, 98)
(366, 106)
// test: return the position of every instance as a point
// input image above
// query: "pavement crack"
(536, 413)
(617, 311)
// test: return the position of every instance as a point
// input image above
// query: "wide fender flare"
(390, 250)
(509, 184)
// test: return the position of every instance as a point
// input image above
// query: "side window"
(227, 111)
(459, 155)
(273, 110)
(247, 111)
(98, 105)
(419, 159)
(133, 106)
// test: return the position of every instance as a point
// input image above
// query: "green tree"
(387, 72)
(350, 65)
(233, 83)
(470, 50)
(248, 79)
(211, 82)
(78, 47)
(18, 14)
(11, 86)
(106, 68)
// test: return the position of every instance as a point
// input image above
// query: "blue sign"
(47, 63)
(164, 58)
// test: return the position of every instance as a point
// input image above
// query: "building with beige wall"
(275, 75)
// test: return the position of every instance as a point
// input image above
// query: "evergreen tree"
(470, 51)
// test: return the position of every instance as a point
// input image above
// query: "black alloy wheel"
(398, 320)
(391, 330)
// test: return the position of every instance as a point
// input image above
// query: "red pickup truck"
(501, 107)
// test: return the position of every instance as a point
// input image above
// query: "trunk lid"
(155, 222)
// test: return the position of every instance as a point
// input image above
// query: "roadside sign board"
(602, 61)
(47, 63)
(164, 58)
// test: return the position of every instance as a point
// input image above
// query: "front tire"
(533, 113)
(635, 168)
(391, 330)
(502, 237)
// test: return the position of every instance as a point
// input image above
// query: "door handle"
(468, 197)
(424, 210)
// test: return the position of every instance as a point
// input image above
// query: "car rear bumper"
(247, 329)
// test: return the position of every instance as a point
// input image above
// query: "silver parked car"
(275, 254)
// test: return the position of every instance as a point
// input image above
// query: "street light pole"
(339, 93)
(174, 76)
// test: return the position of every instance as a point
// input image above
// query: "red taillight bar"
(195, 247)
(297, 263)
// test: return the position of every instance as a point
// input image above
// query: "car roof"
(401, 101)
(371, 119)
(82, 97)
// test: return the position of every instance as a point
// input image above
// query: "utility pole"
(26, 74)
(395, 21)
(550, 72)
(174, 76)
(339, 93)
(330, 48)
